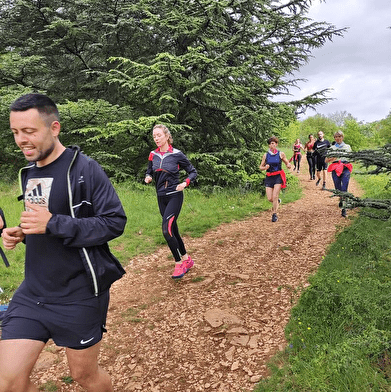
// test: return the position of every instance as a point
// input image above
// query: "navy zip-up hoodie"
(97, 216)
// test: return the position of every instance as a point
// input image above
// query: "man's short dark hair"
(41, 102)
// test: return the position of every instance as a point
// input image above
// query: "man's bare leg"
(17, 359)
(85, 369)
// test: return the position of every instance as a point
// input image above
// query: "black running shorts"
(76, 325)
(321, 163)
(270, 181)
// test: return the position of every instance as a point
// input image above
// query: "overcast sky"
(357, 66)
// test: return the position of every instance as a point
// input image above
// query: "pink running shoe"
(179, 271)
(188, 263)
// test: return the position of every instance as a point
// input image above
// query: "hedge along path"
(216, 328)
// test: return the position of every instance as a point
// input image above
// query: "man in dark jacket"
(320, 150)
(71, 212)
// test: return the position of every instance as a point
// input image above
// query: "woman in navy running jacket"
(164, 165)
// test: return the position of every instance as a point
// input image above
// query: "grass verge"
(339, 333)
(143, 234)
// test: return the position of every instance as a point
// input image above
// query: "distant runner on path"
(297, 147)
(320, 147)
(309, 149)
(275, 176)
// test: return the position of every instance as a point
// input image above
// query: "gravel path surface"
(215, 329)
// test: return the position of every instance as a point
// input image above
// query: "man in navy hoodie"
(71, 212)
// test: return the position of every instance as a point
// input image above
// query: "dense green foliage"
(340, 331)
(358, 135)
(212, 70)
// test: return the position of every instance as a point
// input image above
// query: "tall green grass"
(143, 233)
(200, 212)
(339, 333)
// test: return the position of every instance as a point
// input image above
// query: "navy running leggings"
(341, 183)
(170, 207)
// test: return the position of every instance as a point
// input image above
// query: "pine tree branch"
(381, 158)
(350, 201)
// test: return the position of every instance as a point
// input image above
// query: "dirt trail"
(216, 328)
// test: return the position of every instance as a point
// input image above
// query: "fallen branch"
(350, 202)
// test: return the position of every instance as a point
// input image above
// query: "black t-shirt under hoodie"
(53, 272)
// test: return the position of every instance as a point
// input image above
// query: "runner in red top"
(297, 147)
(309, 149)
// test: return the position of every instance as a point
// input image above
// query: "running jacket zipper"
(160, 167)
(161, 159)
(73, 216)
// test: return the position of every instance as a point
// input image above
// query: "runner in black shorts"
(77, 325)
(275, 176)
(320, 148)
(271, 181)
(71, 212)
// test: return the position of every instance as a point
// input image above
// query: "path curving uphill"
(216, 328)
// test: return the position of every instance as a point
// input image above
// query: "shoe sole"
(178, 277)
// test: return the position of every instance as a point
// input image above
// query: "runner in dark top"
(164, 165)
(297, 147)
(309, 149)
(275, 176)
(320, 147)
